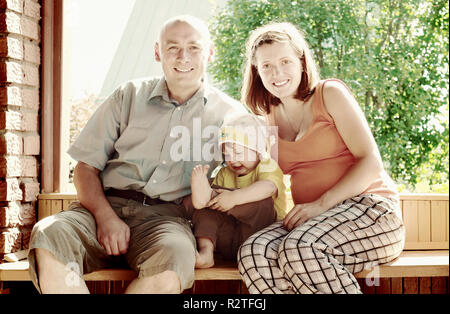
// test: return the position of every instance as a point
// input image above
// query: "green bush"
(393, 54)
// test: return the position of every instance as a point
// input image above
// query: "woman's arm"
(354, 130)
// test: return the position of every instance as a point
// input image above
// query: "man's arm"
(112, 233)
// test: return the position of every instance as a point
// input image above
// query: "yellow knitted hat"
(247, 130)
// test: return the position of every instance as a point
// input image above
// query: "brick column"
(19, 120)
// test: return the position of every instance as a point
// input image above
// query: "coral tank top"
(320, 158)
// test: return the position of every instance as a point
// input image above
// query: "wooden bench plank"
(409, 264)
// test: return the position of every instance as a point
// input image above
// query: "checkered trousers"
(322, 254)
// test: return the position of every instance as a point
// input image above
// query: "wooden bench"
(426, 252)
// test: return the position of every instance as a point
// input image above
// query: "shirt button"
(154, 181)
(164, 162)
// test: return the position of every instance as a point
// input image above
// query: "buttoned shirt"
(142, 140)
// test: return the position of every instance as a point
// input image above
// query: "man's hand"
(113, 234)
(224, 201)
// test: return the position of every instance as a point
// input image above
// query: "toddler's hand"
(223, 202)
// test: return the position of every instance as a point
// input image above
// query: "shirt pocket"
(139, 141)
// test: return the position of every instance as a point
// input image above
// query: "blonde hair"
(253, 92)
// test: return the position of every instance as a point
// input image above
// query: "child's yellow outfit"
(228, 230)
(267, 169)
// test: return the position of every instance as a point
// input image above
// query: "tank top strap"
(319, 109)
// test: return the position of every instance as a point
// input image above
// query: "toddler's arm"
(256, 191)
(225, 200)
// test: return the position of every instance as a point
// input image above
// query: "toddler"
(247, 194)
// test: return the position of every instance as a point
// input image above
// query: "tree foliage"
(393, 54)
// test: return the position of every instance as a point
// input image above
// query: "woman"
(346, 216)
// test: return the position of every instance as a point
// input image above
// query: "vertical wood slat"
(410, 286)
(439, 221)
(424, 221)
(57, 206)
(384, 286)
(244, 289)
(396, 286)
(44, 209)
(48, 207)
(439, 285)
(227, 286)
(410, 219)
(425, 285)
(365, 288)
(204, 287)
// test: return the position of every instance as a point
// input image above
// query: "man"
(129, 182)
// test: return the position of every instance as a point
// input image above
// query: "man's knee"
(175, 258)
(168, 282)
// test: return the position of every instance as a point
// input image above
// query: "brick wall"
(19, 120)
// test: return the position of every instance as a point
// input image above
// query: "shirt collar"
(161, 91)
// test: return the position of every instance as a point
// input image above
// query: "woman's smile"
(281, 83)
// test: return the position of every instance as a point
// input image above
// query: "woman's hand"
(301, 213)
(224, 201)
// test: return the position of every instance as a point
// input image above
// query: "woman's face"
(279, 68)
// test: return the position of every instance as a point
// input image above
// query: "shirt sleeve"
(219, 180)
(95, 144)
(269, 170)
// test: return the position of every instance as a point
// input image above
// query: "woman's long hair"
(253, 94)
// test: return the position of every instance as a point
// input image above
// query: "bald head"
(196, 23)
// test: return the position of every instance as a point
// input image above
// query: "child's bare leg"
(205, 255)
(201, 190)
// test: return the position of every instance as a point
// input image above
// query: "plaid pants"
(322, 254)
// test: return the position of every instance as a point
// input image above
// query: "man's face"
(184, 54)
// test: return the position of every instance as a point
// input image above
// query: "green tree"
(392, 53)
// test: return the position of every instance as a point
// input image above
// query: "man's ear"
(157, 56)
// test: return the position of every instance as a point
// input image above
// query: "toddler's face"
(240, 159)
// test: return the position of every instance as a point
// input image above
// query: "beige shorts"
(160, 239)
